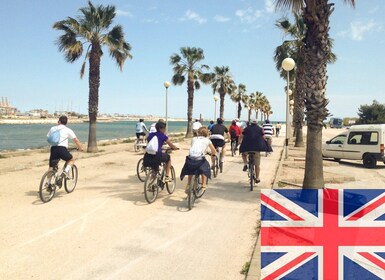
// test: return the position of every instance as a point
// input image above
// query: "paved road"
(106, 230)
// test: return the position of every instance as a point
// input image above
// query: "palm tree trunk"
(93, 100)
(222, 104)
(299, 105)
(239, 110)
(190, 104)
(315, 61)
(249, 115)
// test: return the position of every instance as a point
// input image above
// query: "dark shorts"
(58, 153)
(218, 142)
(140, 134)
(154, 161)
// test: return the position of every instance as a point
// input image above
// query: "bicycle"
(195, 190)
(53, 179)
(218, 165)
(155, 179)
(251, 170)
(140, 143)
(141, 171)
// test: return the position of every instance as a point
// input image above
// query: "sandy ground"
(106, 230)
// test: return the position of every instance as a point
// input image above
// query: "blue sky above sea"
(240, 34)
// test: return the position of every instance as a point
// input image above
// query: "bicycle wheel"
(47, 186)
(141, 171)
(199, 191)
(71, 181)
(151, 187)
(252, 176)
(171, 185)
(191, 196)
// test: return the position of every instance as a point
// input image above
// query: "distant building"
(38, 113)
(6, 109)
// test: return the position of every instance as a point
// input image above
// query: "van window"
(340, 139)
(363, 138)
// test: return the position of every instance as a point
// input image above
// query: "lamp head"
(288, 64)
(166, 84)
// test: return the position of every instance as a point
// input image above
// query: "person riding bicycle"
(252, 140)
(235, 131)
(60, 151)
(218, 133)
(140, 129)
(277, 129)
(268, 130)
(196, 160)
(154, 158)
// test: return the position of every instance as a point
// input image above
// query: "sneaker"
(65, 175)
(257, 181)
(245, 168)
(203, 187)
(167, 179)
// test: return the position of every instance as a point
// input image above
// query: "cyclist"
(218, 133)
(195, 126)
(210, 125)
(252, 140)
(277, 129)
(140, 129)
(235, 131)
(154, 160)
(196, 159)
(268, 130)
(60, 151)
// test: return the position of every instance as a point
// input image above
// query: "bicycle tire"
(141, 171)
(47, 189)
(251, 171)
(72, 180)
(170, 186)
(151, 188)
(191, 196)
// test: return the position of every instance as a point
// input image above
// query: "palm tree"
(92, 28)
(187, 66)
(258, 101)
(316, 16)
(223, 83)
(237, 97)
(249, 102)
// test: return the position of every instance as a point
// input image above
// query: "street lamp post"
(166, 85)
(287, 65)
(215, 107)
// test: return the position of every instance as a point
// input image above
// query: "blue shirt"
(161, 139)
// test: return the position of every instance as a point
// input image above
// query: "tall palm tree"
(187, 66)
(237, 97)
(258, 102)
(223, 83)
(92, 29)
(316, 14)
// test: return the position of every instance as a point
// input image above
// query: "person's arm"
(145, 128)
(212, 149)
(78, 144)
(172, 146)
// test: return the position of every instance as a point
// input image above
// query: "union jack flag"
(323, 234)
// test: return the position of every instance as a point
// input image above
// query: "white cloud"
(190, 15)
(269, 6)
(358, 29)
(123, 13)
(248, 15)
(220, 18)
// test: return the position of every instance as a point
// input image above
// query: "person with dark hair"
(268, 130)
(155, 159)
(140, 130)
(218, 134)
(153, 128)
(60, 151)
(210, 125)
(252, 140)
(235, 131)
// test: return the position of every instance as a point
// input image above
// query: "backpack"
(233, 133)
(54, 138)
(152, 146)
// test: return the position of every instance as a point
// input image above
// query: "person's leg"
(204, 181)
(223, 153)
(257, 161)
(244, 158)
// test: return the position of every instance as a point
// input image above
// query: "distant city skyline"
(240, 34)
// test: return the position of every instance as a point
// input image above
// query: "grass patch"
(3, 156)
(245, 268)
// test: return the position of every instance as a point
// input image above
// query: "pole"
(166, 111)
(287, 116)
(215, 110)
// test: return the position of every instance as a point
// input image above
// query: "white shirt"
(196, 125)
(65, 133)
(153, 128)
(199, 146)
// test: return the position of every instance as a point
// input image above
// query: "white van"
(360, 142)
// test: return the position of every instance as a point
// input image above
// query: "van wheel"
(369, 161)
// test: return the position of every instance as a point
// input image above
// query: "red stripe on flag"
(373, 259)
(278, 273)
(367, 209)
(280, 208)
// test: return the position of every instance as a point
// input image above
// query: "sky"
(240, 34)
